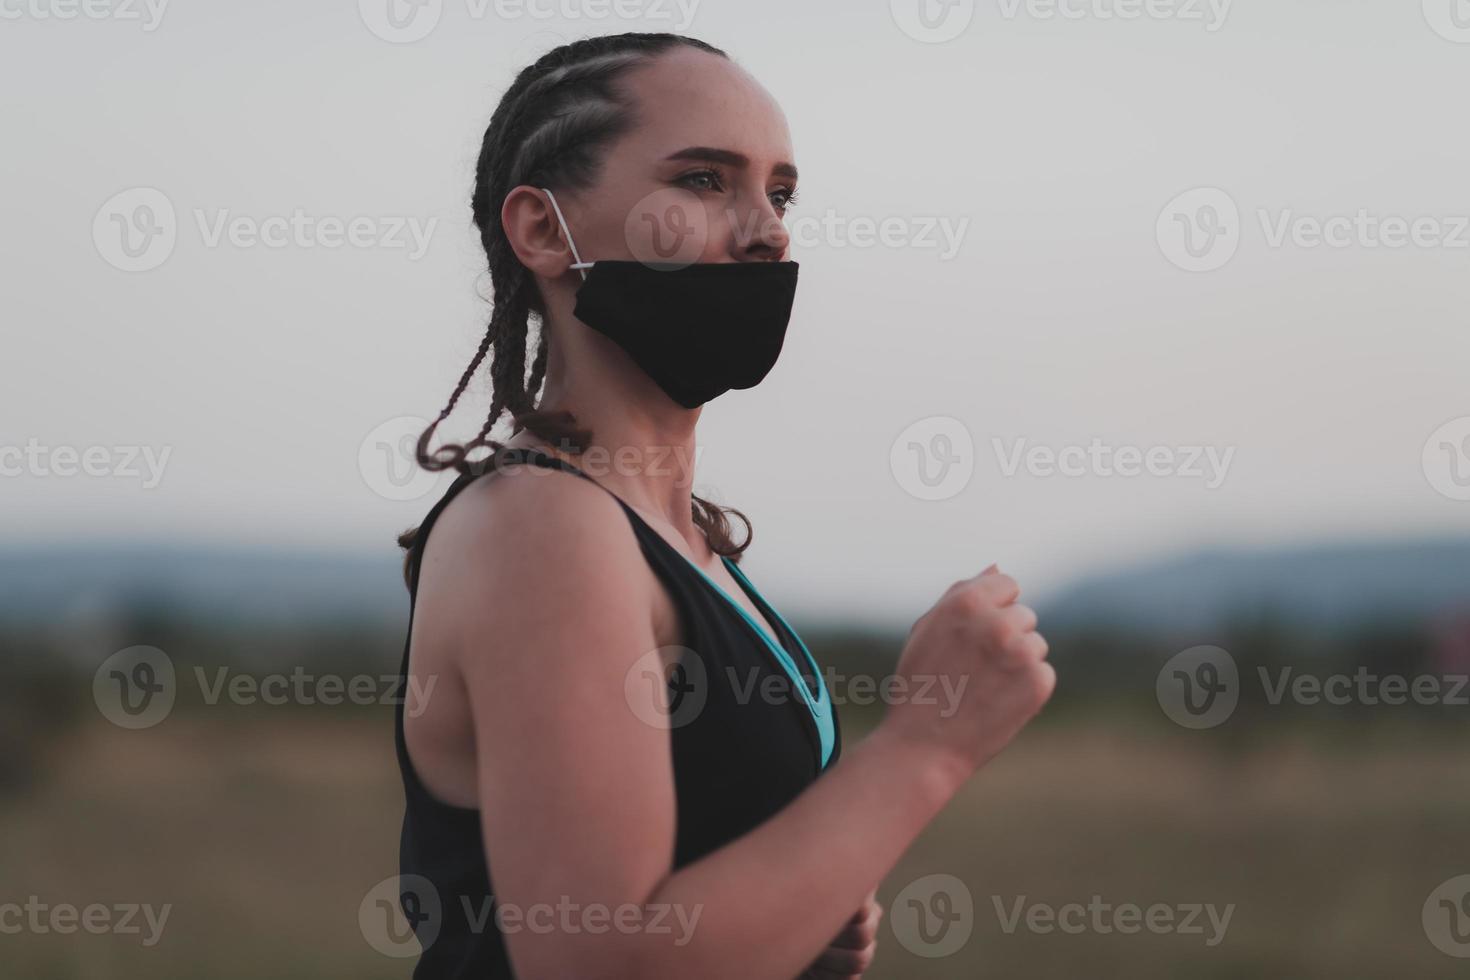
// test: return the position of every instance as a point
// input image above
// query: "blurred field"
(264, 831)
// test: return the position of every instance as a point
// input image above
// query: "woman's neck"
(647, 469)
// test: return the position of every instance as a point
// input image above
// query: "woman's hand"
(852, 951)
(981, 644)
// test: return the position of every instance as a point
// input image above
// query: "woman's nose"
(758, 229)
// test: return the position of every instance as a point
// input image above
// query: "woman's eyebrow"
(730, 158)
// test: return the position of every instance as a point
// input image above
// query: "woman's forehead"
(700, 99)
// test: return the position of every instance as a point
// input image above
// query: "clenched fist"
(977, 641)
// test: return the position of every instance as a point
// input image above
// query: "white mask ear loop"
(579, 265)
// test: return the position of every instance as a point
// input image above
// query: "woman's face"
(704, 175)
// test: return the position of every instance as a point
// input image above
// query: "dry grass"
(264, 833)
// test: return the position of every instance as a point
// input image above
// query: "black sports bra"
(739, 756)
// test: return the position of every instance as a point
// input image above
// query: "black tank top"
(738, 758)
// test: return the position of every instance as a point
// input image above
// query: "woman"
(630, 194)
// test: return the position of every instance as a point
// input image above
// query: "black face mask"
(697, 330)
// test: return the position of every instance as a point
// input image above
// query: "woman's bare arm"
(772, 900)
(576, 793)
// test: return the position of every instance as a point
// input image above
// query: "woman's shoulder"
(536, 540)
(531, 608)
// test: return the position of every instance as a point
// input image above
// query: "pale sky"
(1051, 150)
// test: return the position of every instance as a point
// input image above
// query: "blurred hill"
(1338, 584)
(221, 585)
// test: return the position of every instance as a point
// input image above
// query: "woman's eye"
(784, 198)
(712, 180)
(706, 180)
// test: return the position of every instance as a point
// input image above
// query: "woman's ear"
(533, 232)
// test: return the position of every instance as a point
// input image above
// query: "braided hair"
(549, 130)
